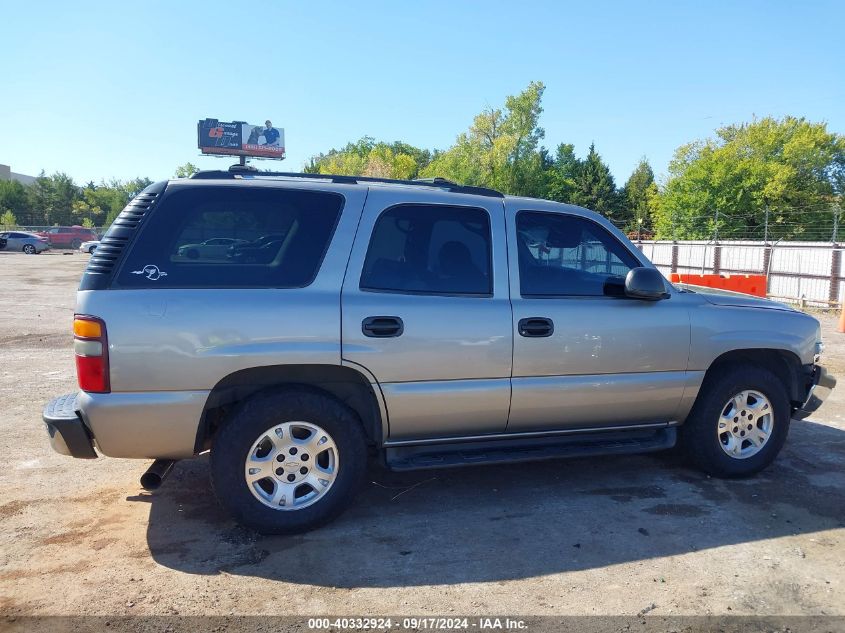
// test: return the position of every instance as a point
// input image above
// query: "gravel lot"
(621, 535)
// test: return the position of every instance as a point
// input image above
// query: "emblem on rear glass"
(151, 272)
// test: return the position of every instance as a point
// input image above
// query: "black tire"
(29, 249)
(254, 417)
(91, 250)
(75, 244)
(698, 436)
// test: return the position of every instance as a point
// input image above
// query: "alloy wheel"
(745, 424)
(291, 465)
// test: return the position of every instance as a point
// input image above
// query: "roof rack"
(238, 171)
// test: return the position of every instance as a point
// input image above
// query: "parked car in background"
(215, 248)
(68, 236)
(29, 243)
(260, 251)
(89, 247)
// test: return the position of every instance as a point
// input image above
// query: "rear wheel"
(739, 422)
(75, 244)
(288, 461)
(29, 249)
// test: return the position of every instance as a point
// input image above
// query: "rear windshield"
(233, 237)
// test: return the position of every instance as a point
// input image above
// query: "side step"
(500, 451)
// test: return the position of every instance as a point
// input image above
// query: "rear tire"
(258, 433)
(75, 244)
(29, 249)
(739, 422)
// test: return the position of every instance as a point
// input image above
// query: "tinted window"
(233, 237)
(567, 255)
(430, 249)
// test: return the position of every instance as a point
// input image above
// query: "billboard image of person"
(263, 142)
(271, 134)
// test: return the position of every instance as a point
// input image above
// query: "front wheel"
(288, 461)
(75, 244)
(739, 422)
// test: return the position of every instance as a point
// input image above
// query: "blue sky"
(102, 90)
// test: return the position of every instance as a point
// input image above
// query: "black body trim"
(64, 426)
(529, 449)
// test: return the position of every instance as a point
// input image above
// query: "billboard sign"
(237, 138)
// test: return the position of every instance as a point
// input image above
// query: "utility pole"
(674, 227)
(716, 227)
(766, 227)
(835, 223)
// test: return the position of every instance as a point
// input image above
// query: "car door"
(425, 310)
(586, 356)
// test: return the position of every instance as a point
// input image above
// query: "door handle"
(382, 326)
(536, 327)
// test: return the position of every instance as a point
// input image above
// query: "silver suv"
(432, 324)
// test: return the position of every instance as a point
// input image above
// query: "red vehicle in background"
(68, 236)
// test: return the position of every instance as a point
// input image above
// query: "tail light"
(90, 346)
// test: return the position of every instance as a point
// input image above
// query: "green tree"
(595, 188)
(8, 219)
(185, 171)
(790, 166)
(51, 198)
(637, 195)
(562, 174)
(366, 157)
(131, 188)
(40, 195)
(500, 150)
(110, 217)
(14, 198)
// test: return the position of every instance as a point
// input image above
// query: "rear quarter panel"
(176, 339)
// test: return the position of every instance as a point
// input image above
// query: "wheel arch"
(784, 364)
(348, 385)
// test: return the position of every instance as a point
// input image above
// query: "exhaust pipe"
(158, 470)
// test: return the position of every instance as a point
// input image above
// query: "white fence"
(802, 272)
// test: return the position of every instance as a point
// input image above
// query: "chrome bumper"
(823, 384)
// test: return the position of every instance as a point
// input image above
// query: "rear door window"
(237, 237)
(430, 249)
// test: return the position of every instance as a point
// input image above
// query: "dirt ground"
(623, 535)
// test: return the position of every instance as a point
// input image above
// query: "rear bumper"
(822, 384)
(68, 433)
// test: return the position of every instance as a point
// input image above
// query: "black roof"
(439, 183)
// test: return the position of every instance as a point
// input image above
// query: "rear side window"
(233, 237)
(430, 249)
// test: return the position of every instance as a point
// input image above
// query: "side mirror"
(645, 283)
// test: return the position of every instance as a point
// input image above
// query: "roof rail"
(439, 183)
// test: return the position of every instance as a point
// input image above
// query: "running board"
(528, 449)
